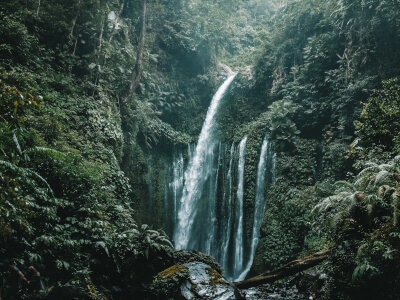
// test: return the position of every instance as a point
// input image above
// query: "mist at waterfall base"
(203, 205)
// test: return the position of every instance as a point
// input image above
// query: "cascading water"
(173, 191)
(226, 215)
(204, 200)
(239, 256)
(200, 171)
(266, 158)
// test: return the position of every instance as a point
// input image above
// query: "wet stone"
(205, 283)
(267, 292)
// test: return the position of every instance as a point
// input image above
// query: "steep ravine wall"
(299, 164)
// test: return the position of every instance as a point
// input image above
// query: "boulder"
(193, 280)
(206, 283)
(183, 256)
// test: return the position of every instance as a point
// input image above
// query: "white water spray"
(259, 203)
(227, 214)
(197, 175)
(204, 205)
(239, 256)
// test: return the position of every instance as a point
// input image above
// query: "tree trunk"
(37, 11)
(98, 50)
(71, 31)
(115, 23)
(287, 270)
(136, 74)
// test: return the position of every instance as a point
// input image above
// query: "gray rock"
(206, 283)
(224, 71)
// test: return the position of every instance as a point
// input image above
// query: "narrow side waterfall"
(200, 171)
(267, 158)
(239, 256)
(227, 215)
(173, 191)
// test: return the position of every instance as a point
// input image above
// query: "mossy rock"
(182, 257)
(166, 284)
(205, 283)
(193, 280)
(173, 271)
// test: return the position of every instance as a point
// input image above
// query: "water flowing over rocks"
(189, 232)
(224, 71)
(269, 292)
(298, 287)
(199, 280)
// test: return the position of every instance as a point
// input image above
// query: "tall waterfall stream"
(204, 201)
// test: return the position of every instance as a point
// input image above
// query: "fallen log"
(289, 269)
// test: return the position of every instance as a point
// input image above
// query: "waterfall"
(204, 205)
(199, 172)
(266, 157)
(227, 213)
(238, 264)
(173, 191)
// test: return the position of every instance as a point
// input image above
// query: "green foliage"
(284, 226)
(362, 214)
(362, 268)
(166, 284)
(282, 127)
(58, 210)
(150, 252)
(65, 203)
(368, 201)
(13, 104)
(379, 121)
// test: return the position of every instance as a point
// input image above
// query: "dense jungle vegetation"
(95, 94)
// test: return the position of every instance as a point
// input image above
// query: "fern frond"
(43, 150)
(371, 199)
(15, 139)
(153, 232)
(381, 177)
(360, 182)
(396, 159)
(131, 232)
(374, 168)
(9, 166)
(386, 167)
(164, 241)
(324, 205)
(340, 185)
(162, 232)
(34, 174)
